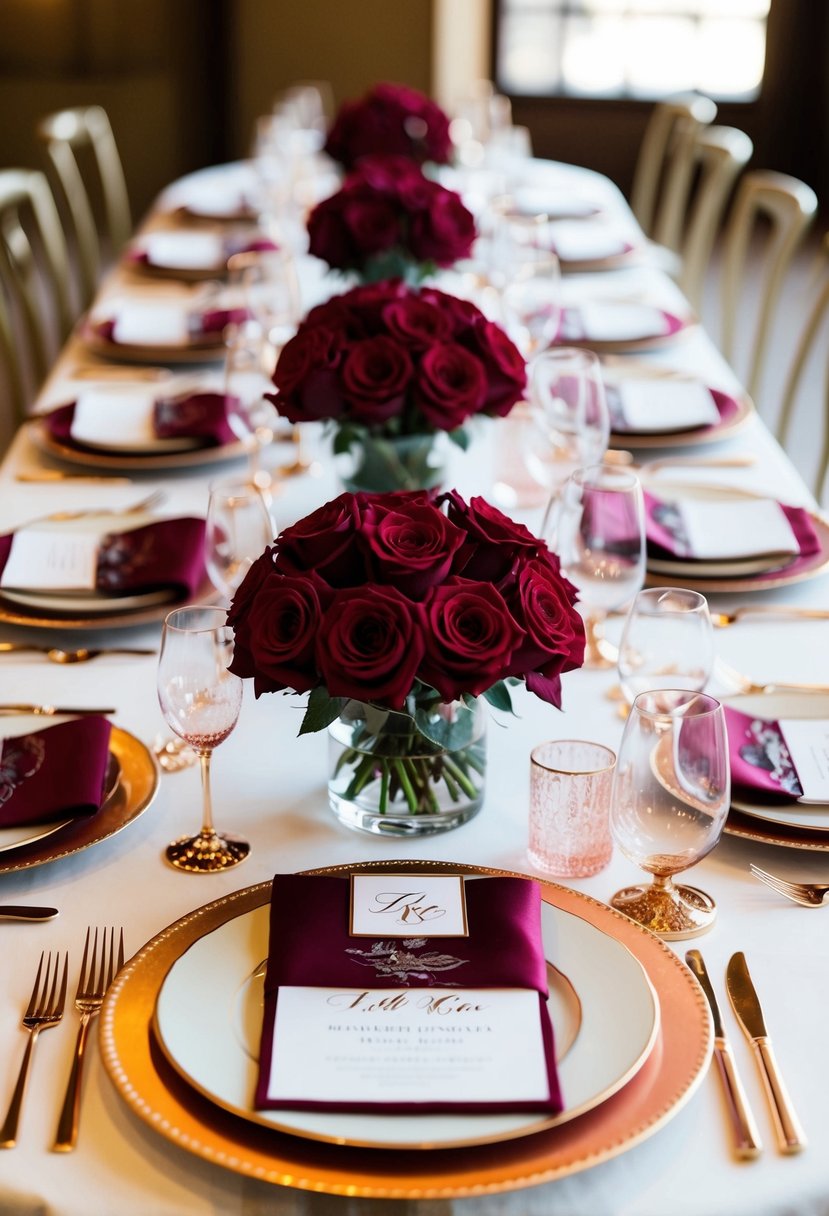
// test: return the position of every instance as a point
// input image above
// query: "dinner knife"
(26, 912)
(743, 996)
(747, 1141)
(49, 711)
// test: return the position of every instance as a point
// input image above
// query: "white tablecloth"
(270, 787)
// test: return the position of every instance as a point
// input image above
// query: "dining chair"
(83, 164)
(665, 165)
(811, 345)
(784, 207)
(35, 313)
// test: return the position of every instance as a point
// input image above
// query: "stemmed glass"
(598, 530)
(268, 284)
(670, 798)
(571, 423)
(531, 303)
(251, 416)
(200, 700)
(667, 642)
(239, 528)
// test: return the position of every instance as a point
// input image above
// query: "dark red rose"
(470, 638)
(408, 544)
(325, 541)
(373, 225)
(544, 604)
(375, 376)
(370, 644)
(307, 350)
(443, 231)
(415, 322)
(283, 623)
(463, 315)
(328, 235)
(506, 371)
(391, 175)
(390, 120)
(449, 386)
(242, 663)
(496, 542)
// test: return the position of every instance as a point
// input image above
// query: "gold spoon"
(56, 655)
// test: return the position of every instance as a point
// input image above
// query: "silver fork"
(808, 894)
(93, 983)
(45, 1010)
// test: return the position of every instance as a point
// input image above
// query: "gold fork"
(93, 983)
(721, 620)
(44, 1011)
(144, 504)
(744, 685)
(808, 894)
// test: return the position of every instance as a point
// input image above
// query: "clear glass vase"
(379, 465)
(387, 777)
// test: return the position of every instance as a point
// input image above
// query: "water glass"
(570, 415)
(570, 786)
(238, 530)
(667, 642)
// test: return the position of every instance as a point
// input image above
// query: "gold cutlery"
(144, 504)
(45, 1010)
(106, 371)
(808, 894)
(56, 655)
(49, 711)
(50, 475)
(721, 620)
(93, 983)
(743, 997)
(26, 912)
(747, 1141)
(693, 462)
(745, 685)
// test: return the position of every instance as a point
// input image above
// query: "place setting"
(189, 255)
(147, 329)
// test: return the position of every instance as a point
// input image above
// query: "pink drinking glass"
(570, 784)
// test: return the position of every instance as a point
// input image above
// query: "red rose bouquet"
(390, 367)
(390, 220)
(390, 120)
(395, 612)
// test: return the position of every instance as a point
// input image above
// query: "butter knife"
(26, 912)
(747, 1141)
(49, 711)
(743, 996)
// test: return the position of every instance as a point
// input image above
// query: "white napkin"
(184, 250)
(664, 405)
(577, 241)
(114, 416)
(150, 323)
(43, 559)
(615, 321)
(718, 531)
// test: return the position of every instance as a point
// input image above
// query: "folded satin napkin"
(165, 554)
(55, 773)
(311, 947)
(191, 416)
(760, 759)
(668, 532)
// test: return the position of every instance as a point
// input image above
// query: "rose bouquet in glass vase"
(389, 220)
(397, 614)
(390, 120)
(391, 369)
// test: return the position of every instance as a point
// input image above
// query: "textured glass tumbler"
(570, 783)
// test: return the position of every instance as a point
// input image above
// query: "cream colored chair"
(35, 314)
(788, 206)
(80, 146)
(665, 166)
(720, 154)
(808, 348)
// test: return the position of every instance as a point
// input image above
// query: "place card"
(111, 416)
(613, 321)
(43, 559)
(395, 1046)
(576, 241)
(184, 250)
(717, 531)
(408, 905)
(665, 405)
(808, 744)
(144, 323)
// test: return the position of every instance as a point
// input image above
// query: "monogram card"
(408, 905)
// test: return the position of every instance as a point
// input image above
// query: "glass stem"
(207, 803)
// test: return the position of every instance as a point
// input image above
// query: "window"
(631, 48)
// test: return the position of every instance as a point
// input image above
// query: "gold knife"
(741, 991)
(747, 1141)
(49, 711)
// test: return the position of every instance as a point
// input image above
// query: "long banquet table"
(270, 787)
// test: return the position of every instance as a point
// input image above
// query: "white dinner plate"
(204, 989)
(773, 707)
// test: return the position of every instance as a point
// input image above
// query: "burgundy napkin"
(664, 531)
(166, 554)
(190, 416)
(59, 772)
(310, 946)
(760, 761)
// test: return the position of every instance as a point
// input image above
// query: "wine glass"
(667, 642)
(267, 281)
(239, 528)
(671, 793)
(254, 419)
(598, 530)
(571, 423)
(200, 700)
(531, 304)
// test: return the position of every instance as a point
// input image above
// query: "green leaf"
(460, 437)
(320, 711)
(451, 734)
(499, 697)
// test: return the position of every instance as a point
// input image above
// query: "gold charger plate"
(763, 831)
(210, 349)
(133, 461)
(35, 618)
(136, 789)
(715, 433)
(161, 1099)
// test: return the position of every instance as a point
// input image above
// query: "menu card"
(406, 1021)
(786, 759)
(664, 405)
(149, 323)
